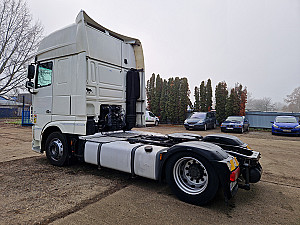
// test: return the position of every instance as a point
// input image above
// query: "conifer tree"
(163, 102)
(208, 104)
(197, 100)
(203, 107)
(157, 95)
(176, 100)
(229, 103)
(221, 95)
(170, 102)
(236, 104)
(150, 91)
(243, 102)
(184, 99)
(233, 103)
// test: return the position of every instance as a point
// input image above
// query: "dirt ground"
(34, 192)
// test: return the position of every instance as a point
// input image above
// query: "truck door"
(42, 100)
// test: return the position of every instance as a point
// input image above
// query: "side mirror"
(29, 84)
(271, 122)
(31, 72)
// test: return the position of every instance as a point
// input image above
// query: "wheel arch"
(221, 169)
(48, 130)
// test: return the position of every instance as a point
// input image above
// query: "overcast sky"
(253, 42)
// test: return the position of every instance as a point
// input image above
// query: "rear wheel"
(57, 149)
(191, 178)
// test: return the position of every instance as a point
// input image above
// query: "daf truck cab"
(88, 87)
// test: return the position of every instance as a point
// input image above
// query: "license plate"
(191, 125)
(232, 185)
(286, 130)
(229, 128)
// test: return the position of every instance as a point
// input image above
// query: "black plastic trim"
(132, 159)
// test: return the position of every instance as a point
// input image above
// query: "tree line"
(170, 99)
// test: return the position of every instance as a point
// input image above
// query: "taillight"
(235, 174)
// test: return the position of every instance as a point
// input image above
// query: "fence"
(8, 112)
(263, 119)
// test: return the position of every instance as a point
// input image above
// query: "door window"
(44, 74)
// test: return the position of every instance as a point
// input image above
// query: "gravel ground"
(34, 192)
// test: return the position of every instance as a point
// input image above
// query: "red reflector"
(235, 174)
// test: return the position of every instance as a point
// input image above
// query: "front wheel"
(57, 149)
(191, 178)
(156, 123)
(205, 127)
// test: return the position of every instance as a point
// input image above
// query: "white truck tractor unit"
(88, 87)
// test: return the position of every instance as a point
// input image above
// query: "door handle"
(48, 111)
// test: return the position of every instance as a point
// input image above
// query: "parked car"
(286, 125)
(151, 119)
(200, 120)
(235, 124)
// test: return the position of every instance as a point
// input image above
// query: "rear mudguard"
(212, 153)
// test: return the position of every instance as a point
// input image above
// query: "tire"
(215, 125)
(205, 127)
(242, 130)
(197, 188)
(187, 128)
(57, 149)
(156, 123)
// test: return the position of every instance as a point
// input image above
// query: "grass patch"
(15, 122)
(261, 129)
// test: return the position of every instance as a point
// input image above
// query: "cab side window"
(44, 74)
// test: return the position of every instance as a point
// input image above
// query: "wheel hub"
(190, 175)
(195, 171)
(56, 149)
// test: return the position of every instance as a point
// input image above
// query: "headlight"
(200, 121)
(274, 125)
(297, 127)
(185, 121)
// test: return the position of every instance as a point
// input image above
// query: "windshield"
(234, 119)
(198, 116)
(151, 114)
(286, 120)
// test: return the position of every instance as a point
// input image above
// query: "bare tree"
(264, 104)
(279, 106)
(19, 39)
(293, 100)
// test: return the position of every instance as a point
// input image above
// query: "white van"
(151, 119)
